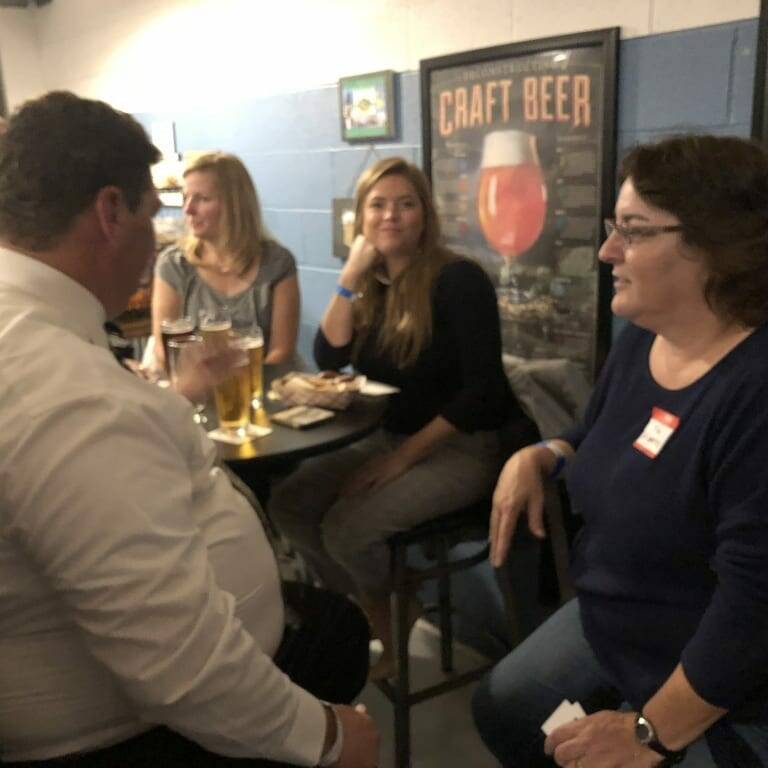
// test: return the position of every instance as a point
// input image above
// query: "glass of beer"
(233, 393)
(252, 339)
(215, 327)
(184, 358)
(180, 328)
(512, 197)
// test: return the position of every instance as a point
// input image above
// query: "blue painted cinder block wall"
(694, 80)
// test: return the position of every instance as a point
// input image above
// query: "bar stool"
(437, 537)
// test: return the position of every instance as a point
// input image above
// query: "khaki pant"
(344, 540)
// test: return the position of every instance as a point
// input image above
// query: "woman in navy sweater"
(668, 471)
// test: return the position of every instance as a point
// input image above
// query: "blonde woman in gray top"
(228, 261)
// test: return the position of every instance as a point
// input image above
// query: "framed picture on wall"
(367, 106)
(520, 146)
(760, 97)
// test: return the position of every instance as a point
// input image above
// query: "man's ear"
(110, 208)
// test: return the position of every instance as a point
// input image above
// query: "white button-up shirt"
(136, 586)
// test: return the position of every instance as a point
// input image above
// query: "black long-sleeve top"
(671, 565)
(459, 375)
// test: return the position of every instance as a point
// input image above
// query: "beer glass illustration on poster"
(516, 152)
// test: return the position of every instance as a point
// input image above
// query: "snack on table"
(327, 389)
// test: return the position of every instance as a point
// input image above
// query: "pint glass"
(184, 356)
(512, 198)
(180, 328)
(252, 339)
(233, 393)
(215, 327)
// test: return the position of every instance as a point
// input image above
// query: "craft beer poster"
(516, 159)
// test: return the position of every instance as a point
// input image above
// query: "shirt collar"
(72, 305)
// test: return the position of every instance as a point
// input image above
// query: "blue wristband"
(559, 455)
(345, 292)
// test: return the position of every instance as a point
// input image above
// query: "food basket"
(327, 389)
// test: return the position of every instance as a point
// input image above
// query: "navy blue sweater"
(672, 562)
(458, 375)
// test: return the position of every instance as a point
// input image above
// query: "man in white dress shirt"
(140, 603)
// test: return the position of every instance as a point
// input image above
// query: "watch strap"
(671, 756)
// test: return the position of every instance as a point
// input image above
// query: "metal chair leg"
(402, 684)
(445, 606)
(554, 513)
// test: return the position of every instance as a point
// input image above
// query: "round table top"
(286, 444)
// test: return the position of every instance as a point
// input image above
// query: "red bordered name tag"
(656, 433)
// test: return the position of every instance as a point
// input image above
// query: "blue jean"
(552, 664)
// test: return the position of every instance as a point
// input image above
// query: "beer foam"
(219, 325)
(508, 148)
(180, 325)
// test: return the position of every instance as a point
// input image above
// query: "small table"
(286, 445)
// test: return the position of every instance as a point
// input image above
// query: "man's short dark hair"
(58, 152)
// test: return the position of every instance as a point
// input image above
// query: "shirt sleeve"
(106, 515)
(726, 659)
(281, 262)
(328, 357)
(476, 332)
(173, 268)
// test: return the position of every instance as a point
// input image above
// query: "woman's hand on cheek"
(362, 257)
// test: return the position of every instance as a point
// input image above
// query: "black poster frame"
(603, 47)
(760, 98)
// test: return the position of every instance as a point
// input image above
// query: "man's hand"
(361, 738)
(201, 368)
(603, 740)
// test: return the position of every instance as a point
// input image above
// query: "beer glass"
(184, 357)
(215, 327)
(252, 339)
(233, 393)
(512, 197)
(180, 328)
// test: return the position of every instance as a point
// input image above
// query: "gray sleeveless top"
(254, 303)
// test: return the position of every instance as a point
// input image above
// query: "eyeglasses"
(631, 235)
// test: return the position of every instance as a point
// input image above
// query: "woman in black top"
(409, 313)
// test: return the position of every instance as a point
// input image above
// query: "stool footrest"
(415, 578)
(456, 681)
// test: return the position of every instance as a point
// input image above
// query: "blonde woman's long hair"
(406, 304)
(242, 228)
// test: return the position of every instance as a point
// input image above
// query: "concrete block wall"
(689, 80)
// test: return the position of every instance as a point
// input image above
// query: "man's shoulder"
(47, 370)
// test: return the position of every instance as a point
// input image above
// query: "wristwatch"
(646, 735)
(334, 752)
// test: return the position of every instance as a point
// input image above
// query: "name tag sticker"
(656, 433)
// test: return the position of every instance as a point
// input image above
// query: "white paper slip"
(252, 432)
(377, 388)
(566, 712)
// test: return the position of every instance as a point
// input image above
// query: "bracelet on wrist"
(346, 293)
(560, 457)
(334, 753)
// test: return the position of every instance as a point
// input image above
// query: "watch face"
(643, 730)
